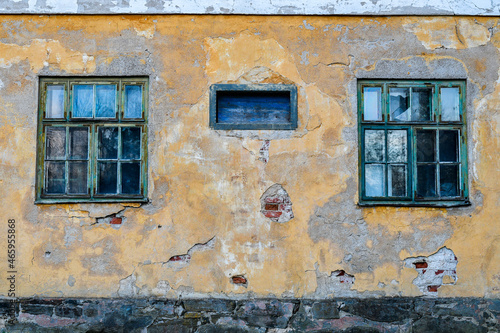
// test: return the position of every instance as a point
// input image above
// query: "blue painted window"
(412, 138)
(92, 142)
(253, 106)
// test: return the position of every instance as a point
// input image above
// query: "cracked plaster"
(204, 183)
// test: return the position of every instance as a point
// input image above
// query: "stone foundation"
(252, 315)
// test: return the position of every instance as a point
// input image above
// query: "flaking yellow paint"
(205, 183)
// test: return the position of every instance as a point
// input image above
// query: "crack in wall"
(182, 260)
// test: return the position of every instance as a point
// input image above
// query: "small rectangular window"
(253, 106)
(413, 143)
(92, 140)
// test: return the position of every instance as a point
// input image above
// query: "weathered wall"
(205, 186)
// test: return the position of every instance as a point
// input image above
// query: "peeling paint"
(276, 204)
(182, 260)
(432, 270)
(204, 182)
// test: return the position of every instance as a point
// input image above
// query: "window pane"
(54, 105)
(450, 104)
(399, 104)
(106, 101)
(77, 173)
(107, 178)
(375, 180)
(426, 181)
(374, 145)
(397, 145)
(397, 180)
(108, 142)
(448, 179)
(83, 100)
(131, 177)
(421, 99)
(372, 103)
(131, 143)
(78, 143)
(448, 146)
(56, 177)
(55, 143)
(426, 146)
(133, 101)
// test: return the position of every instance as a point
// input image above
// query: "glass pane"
(397, 181)
(426, 181)
(55, 143)
(131, 177)
(77, 174)
(133, 101)
(426, 146)
(374, 145)
(107, 182)
(106, 101)
(399, 104)
(56, 177)
(448, 146)
(372, 103)
(375, 180)
(131, 143)
(54, 105)
(450, 104)
(421, 99)
(448, 179)
(397, 145)
(108, 142)
(78, 143)
(83, 100)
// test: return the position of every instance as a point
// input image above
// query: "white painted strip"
(255, 7)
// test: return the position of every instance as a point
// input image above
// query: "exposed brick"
(421, 264)
(276, 204)
(272, 206)
(180, 258)
(116, 220)
(272, 214)
(343, 277)
(439, 271)
(432, 289)
(239, 279)
(273, 200)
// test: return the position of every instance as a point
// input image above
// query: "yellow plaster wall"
(205, 185)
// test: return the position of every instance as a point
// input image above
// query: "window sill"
(87, 201)
(435, 204)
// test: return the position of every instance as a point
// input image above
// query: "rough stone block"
(445, 325)
(68, 311)
(210, 305)
(382, 310)
(36, 309)
(325, 310)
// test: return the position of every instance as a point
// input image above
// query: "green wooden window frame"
(412, 143)
(92, 140)
(246, 97)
